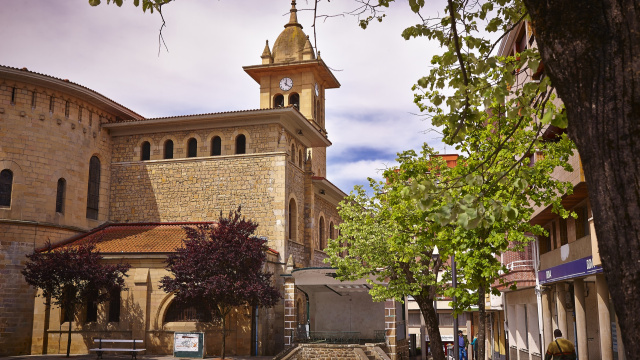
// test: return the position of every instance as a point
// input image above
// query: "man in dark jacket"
(560, 349)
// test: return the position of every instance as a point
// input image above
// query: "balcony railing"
(520, 265)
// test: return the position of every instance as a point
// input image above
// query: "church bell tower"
(292, 74)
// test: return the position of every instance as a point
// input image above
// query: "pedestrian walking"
(463, 342)
(474, 345)
(560, 349)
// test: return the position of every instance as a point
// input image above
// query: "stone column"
(289, 310)
(581, 319)
(604, 319)
(561, 308)
(546, 320)
(390, 328)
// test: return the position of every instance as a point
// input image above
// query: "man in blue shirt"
(463, 342)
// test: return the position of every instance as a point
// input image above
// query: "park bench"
(99, 350)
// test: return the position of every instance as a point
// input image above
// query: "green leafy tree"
(385, 236)
(71, 276)
(590, 55)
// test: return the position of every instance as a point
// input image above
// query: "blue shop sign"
(572, 269)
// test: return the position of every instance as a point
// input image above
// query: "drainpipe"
(308, 325)
(536, 266)
(256, 332)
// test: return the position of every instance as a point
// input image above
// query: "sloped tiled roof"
(135, 238)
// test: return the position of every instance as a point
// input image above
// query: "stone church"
(75, 165)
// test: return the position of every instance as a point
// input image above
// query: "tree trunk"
(591, 51)
(71, 312)
(431, 320)
(482, 325)
(224, 333)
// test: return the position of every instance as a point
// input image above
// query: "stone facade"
(50, 130)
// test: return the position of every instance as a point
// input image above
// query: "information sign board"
(188, 345)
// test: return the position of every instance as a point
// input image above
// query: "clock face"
(317, 90)
(286, 84)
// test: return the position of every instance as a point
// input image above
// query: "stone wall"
(197, 189)
(259, 139)
(41, 146)
(44, 138)
(142, 316)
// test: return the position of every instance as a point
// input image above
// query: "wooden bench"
(99, 350)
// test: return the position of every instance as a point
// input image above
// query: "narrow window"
(582, 222)
(62, 186)
(80, 114)
(65, 316)
(34, 96)
(93, 193)
(90, 118)
(168, 149)
(114, 306)
(216, 146)
(278, 101)
(52, 101)
(6, 183)
(564, 240)
(92, 311)
(192, 148)
(293, 154)
(145, 153)
(300, 158)
(241, 144)
(321, 234)
(66, 109)
(13, 95)
(293, 219)
(294, 99)
(331, 231)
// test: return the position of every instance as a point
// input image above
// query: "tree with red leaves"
(222, 267)
(73, 276)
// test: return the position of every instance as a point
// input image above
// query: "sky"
(115, 51)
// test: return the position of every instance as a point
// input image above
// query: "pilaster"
(604, 317)
(581, 319)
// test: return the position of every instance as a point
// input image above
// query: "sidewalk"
(123, 357)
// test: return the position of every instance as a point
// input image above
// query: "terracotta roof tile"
(135, 237)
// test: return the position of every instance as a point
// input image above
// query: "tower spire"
(293, 17)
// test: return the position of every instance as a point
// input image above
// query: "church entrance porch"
(320, 309)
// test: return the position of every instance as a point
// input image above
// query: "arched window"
(293, 154)
(278, 101)
(168, 149)
(331, 231)
(300, 158)
(93, 193)
(145, 154)
(241, 144)
(62, 189)
(6, 183)
(321, 238)
(294, 99)
(216, 146)
(179, 312)
(192, 148)
(293, 219)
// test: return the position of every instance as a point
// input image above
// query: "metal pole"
(456, 352)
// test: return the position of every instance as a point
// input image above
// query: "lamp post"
(454, 280)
